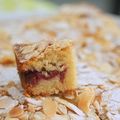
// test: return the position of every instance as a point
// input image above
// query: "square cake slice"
(46, 67)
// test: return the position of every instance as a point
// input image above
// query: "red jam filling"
(33, 77)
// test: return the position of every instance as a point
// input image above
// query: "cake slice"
(46, 68)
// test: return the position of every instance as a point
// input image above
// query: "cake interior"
(33, 77)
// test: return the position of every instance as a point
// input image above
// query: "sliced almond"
(34, 101)
(7, 103)
(24, 116)
(62, 109)
(31, 116)
(98, 98)
(16, 112)
(28, 49)
(49, 107)
(74, 116)
(8, 118)
(60, 117)
(11, 84)
(15, 93)
(69, 95)
(31, 108)
(40, 116)
(85, 99)
(3, 92)
(38, 108)
(96, 105)
(70, 106)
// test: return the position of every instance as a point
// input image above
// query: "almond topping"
(85, 99)
(49, 107)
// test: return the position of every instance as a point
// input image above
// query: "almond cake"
(46, 67)
(96, 39)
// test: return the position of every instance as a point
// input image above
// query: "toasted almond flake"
(62, 109)
(16, 112)
(34, 101)
(97, 118)
(93, 116)
(60, 117)
(28, 49)
(98, 98)
(38, 108)
(3, 92)
(30, 55)
(7, 103)
(31, 116)
(8, 118)
(85, 99)
(11, 84)
(70, 95)
(39, 116)
(49, 107)
(115, 82)
(96, 104)
(24, 116)
(75, 116)
(106, 68)
(70, 106)
(31, 108)
(101, 87)
(15, 93)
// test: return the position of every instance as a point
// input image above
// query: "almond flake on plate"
(60, 117)
(39, 116)
(24, 116)
(16, 112)
(85, 99)
(96, 105)
(34, 101)
(62, 109)
(7, 103)
(70, 106)
(11, 84)
(49, 107)
(75, 116)
(113, 116)
(31, 108)
(8, 118)
(15, 93)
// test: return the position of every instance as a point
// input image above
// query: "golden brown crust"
(28, 55)
(25, 52)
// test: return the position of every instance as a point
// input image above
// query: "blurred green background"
(25, 5)
(112, 6)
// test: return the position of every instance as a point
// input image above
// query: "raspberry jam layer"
(33, 77)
